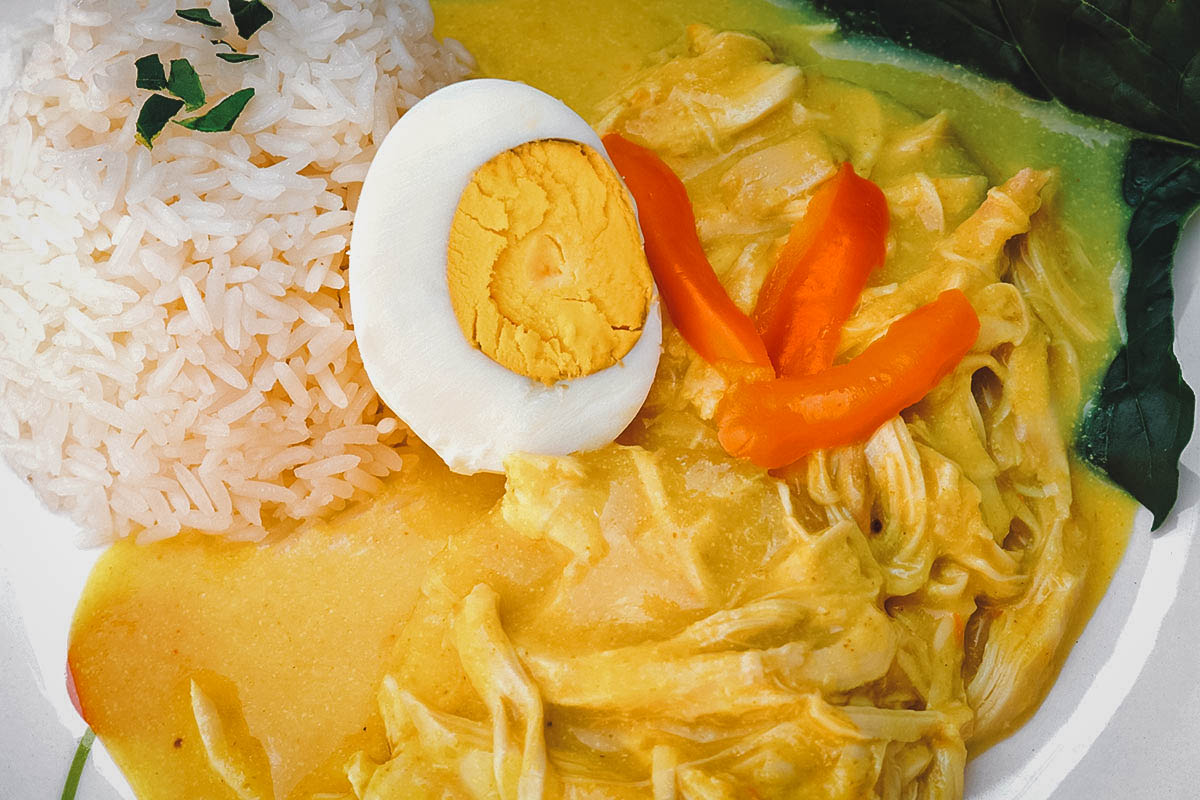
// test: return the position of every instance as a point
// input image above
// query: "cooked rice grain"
(175, 345)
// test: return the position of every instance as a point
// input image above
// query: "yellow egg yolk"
(545, 264)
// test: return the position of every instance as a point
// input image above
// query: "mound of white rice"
(175, 343)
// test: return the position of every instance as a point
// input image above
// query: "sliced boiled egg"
(501, 297)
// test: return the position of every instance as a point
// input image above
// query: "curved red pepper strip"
(697, 302)
(776, 422)
(821, 272)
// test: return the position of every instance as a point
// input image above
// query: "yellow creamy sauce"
(292, 640)
(301, 629)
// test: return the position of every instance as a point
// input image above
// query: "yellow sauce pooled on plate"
(297, 633)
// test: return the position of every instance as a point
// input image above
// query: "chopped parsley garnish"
(71, 786)
(221, 116)
(184, 83)
(249, 16)
(201, 15)
(150, 74)
(155, 114)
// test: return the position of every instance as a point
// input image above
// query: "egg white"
(471, 410)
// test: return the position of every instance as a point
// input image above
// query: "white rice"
(175, 336)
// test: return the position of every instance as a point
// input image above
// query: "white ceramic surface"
(1123, 720)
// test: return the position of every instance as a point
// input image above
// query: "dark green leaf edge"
(1143, 413)
(237, 58)
(150, 73)
(71, 785)
(185, 84)
(201, 15)
(972, 34)
(249, 16)
(156, 112)
(222, 116)
(1133, 63)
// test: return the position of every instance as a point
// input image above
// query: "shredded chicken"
(657, 620)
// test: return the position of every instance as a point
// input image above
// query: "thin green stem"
(81, 757)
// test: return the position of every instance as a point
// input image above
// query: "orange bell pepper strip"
(697, 302)
(776, 422)
(821, 272)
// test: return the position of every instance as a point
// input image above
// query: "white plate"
(1122, 720)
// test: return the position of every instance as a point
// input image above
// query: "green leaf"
(184, 83)
(1130, 61)
(155, 114)
(237, 58)
(201, 15)
(221, 116)
(71, 786)
(150, 74)
(1142, 416)
(249, 16)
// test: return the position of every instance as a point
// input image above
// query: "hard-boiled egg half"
(501, 296)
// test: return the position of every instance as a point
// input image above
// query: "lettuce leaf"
(1142, 416)
(1133, 62)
